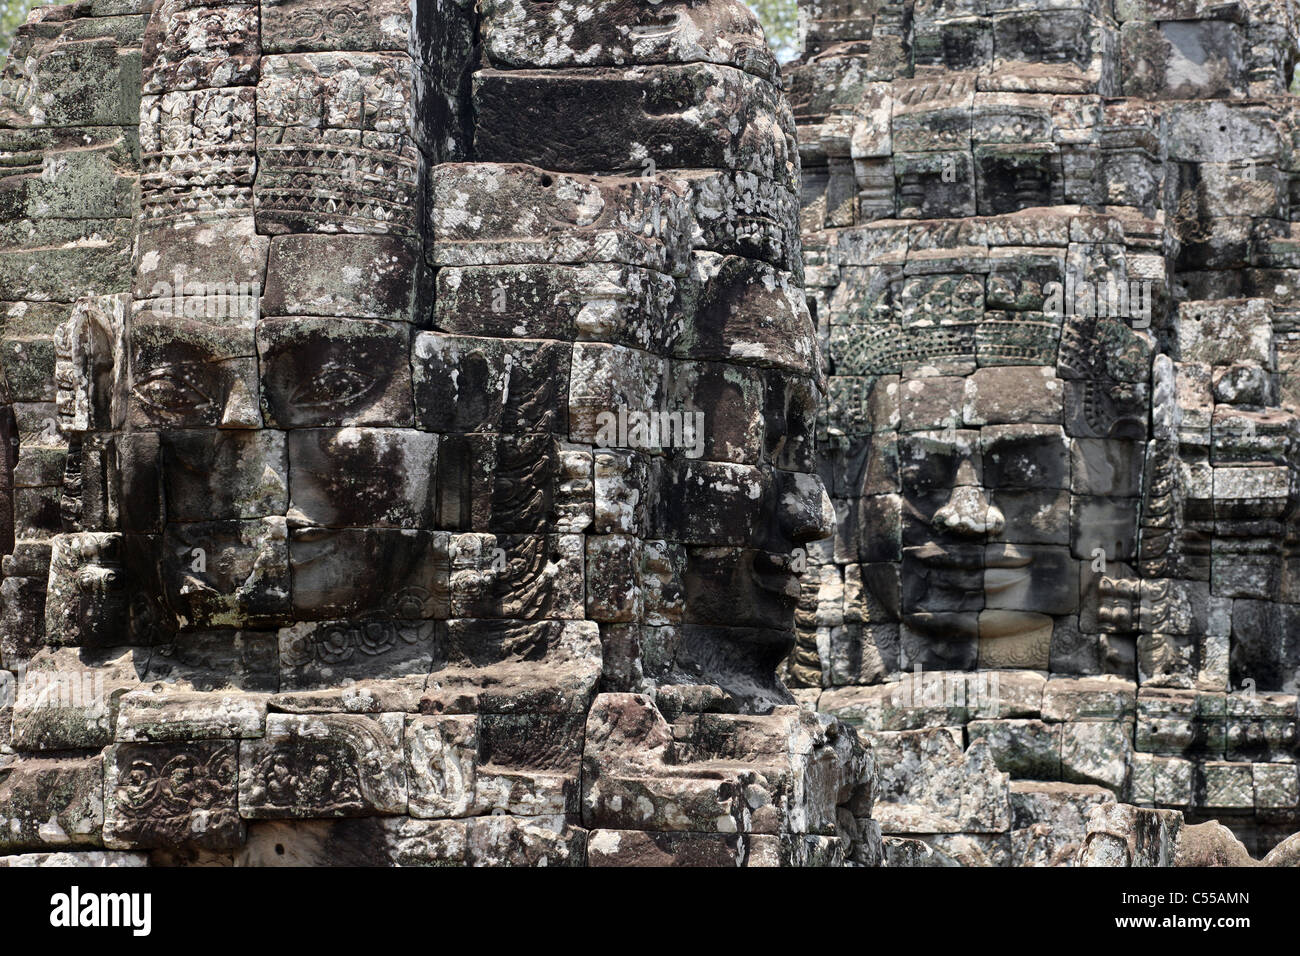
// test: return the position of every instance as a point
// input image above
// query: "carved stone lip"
(667, 26)
(773, 572)
(1007, 556)
(321, 542)
(934, 555)
(950, 626)
(1005, 566)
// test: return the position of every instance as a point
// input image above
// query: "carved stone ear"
(85, 602)
(88, 368)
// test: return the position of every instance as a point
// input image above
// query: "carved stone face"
(697, 412)
(366, 393)
(993, 477)
(748, 530)
(986, 533)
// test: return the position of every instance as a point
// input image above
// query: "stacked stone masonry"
(505, 433)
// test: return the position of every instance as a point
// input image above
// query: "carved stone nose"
(968, 512)
(806, 510)
(241, 409)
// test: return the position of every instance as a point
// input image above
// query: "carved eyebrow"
(1018, 442)
(180, 367)
(176, 373)
(205, 368)
(922, 445)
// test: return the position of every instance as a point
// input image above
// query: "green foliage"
(780, 19)
(13, 14)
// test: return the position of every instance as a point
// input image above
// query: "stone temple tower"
(409, 427)
(1052, 256)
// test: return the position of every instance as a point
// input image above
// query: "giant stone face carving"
(441, 477)
(1047, 253)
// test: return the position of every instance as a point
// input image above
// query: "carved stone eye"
(334, 385)
(173, 392)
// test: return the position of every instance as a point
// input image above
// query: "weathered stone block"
(1226, 786)
(46, 804)
(1026, 749)
(929, 785)
(1098, 752)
